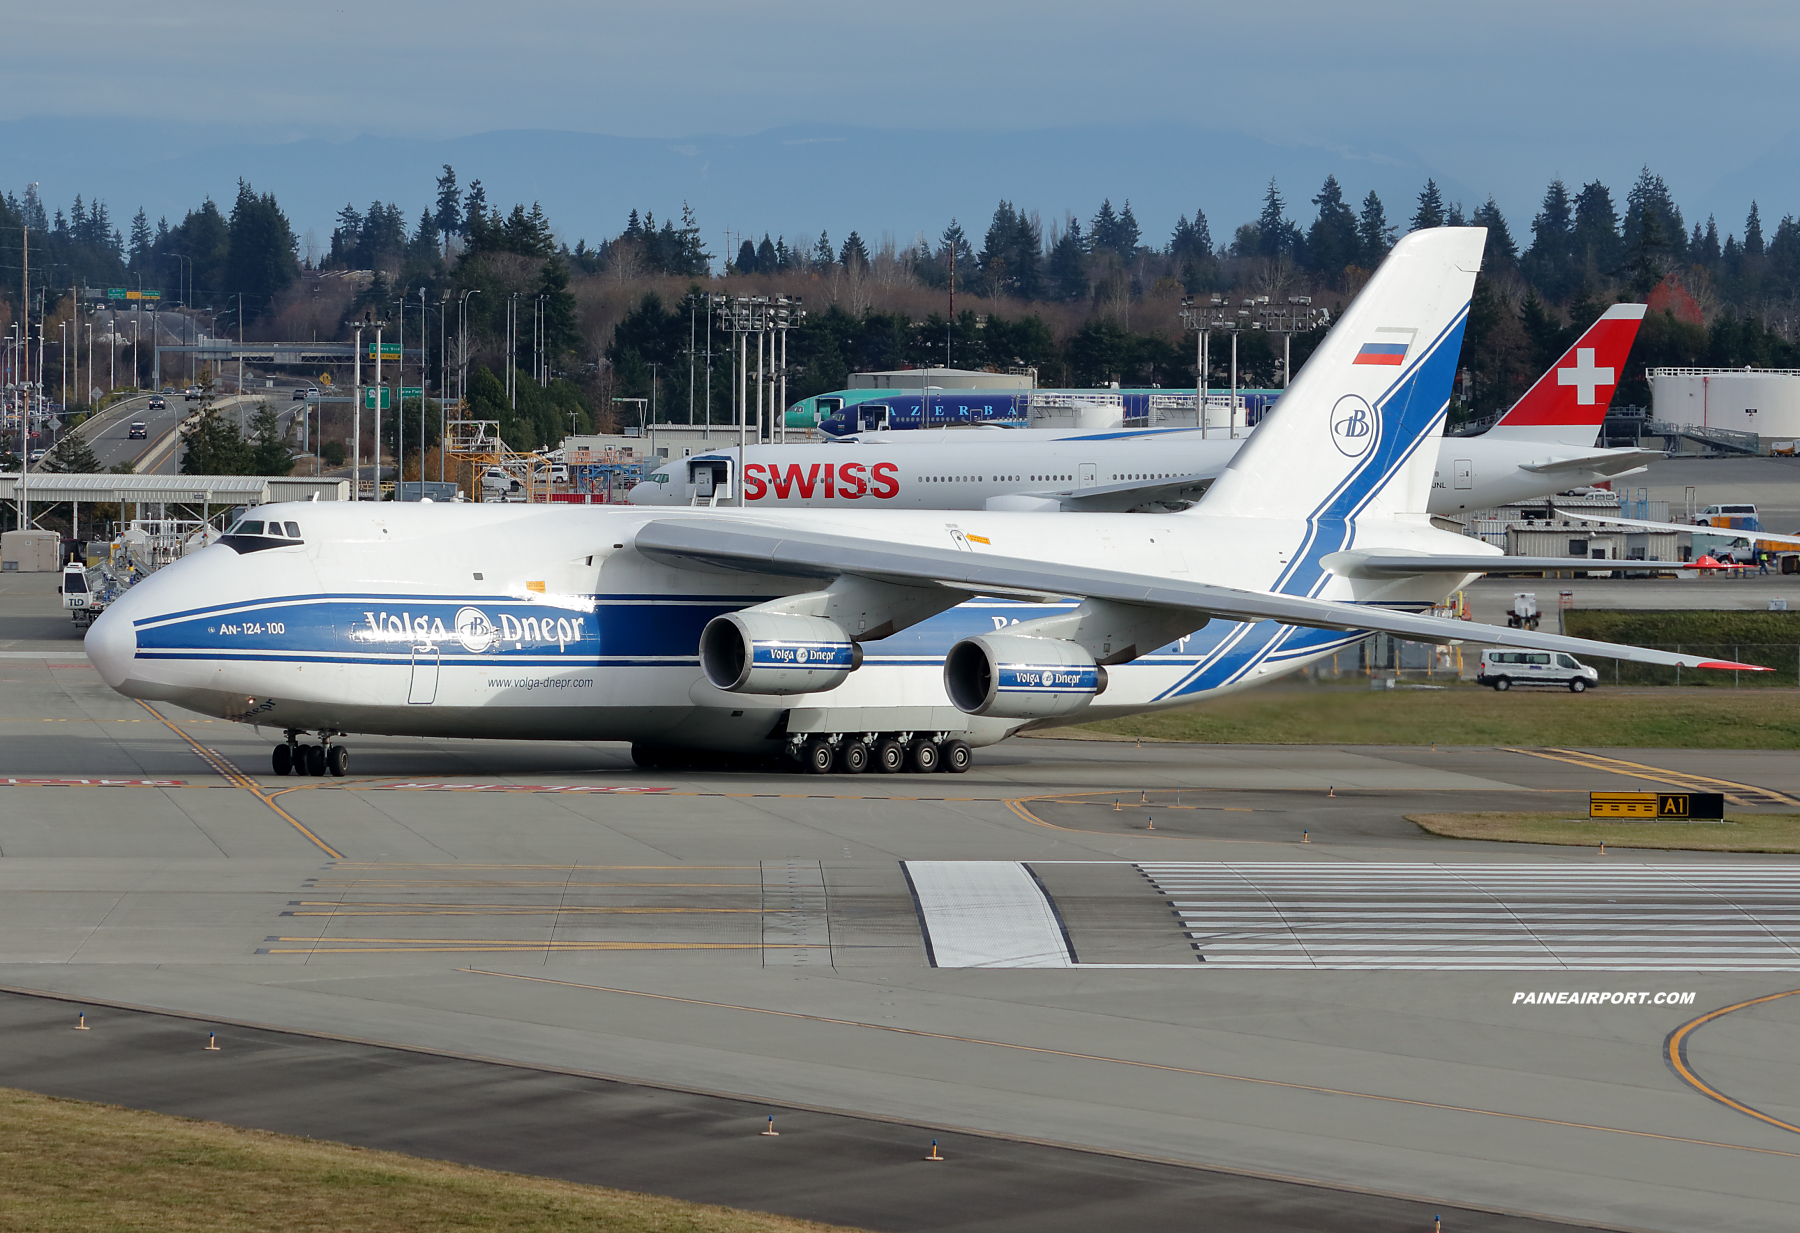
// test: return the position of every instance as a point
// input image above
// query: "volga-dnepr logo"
(1353, 425)
(474, 630)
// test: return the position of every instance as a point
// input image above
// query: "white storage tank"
(1765, 401)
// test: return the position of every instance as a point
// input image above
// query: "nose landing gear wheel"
(922, 756)
(956, 756)
(282, 760)
(337, 761)
(817, 757)
(315, 760)
(890, 756)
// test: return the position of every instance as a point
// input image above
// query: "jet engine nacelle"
(1014, 676)
(776, 653)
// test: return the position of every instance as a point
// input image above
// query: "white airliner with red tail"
(848, 638)
(1543, 444)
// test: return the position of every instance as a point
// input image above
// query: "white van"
(1504, 669)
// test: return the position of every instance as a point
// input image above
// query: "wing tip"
(1726, 665)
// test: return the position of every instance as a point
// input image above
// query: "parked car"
(139, 431)
(1504, 669)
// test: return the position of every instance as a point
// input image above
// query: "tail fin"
(1566, 405)
(1355, 435)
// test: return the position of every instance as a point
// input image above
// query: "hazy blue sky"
(1495, 98)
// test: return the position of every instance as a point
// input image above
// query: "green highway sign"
(389, 351)
(412, 391)
(369, 393)
(115, 293)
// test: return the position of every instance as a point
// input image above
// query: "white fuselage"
(544, 622)
(969, 470)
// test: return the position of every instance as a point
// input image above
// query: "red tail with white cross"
(1566, 405)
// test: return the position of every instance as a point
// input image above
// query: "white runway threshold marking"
(1465, 917)
(987, 914)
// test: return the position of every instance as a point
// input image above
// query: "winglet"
(1728, 666)
(1567, 403)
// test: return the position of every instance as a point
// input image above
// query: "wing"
(1599, 462)
(1116, 498)
(721, 543)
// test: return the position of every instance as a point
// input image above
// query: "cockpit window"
(247, 527)
(293, 530)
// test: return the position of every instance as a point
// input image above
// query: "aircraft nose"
(112, 646)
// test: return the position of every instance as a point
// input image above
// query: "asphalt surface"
(647, 964)
(820, 1166)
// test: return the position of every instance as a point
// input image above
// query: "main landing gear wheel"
(890, 756)
(923, 756)
(817, 756)
(853, 757)
(315, 760)
(282, 760)
(337, 761)
(956, 756)
(1502, 684)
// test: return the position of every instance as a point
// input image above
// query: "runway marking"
(510, 787)
(1157, 1066)
(1675, 1053)
(566, 789)
(1466, 917)
(237, 778)
(336, 910)
(1737, 793)
(1021, 807)
(94, 783)
(430, 946)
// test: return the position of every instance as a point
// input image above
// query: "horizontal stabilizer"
(1786, 542)
(1114, 498)
(1599, 462)
(767, 548)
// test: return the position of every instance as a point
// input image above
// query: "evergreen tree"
(1502, 251)
(855, 256)
(449, 217)
(214, 446)
(1546, 335)
(1753, 236)
(1067, 267)
(141, 239)
(1130, 235)
(1431, 208)
(1596, 234)
(260, 263)
(475, 208)
(427, 242)
(1276, 233)
(1550, 262)
(72, 455)
(268, 453)
(746, 259)
(1650, 198)
(823, 257)
(1332, 244)
(1374, 236)
(768, 261)
(1104, 232)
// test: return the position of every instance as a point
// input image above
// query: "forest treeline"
(1083, 301)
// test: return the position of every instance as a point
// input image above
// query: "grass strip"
(68, 1166)
(1748, 832)
(1647, 718)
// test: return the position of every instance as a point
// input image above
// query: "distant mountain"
(796, 180)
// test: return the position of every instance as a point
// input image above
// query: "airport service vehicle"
(1740, 517)
(1524, 614)
(498, 485)
(1504, 669)
(1543, 444)
(85, 592)
(845, 639)
(139, 431)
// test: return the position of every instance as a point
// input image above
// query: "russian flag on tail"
(1388, 348)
